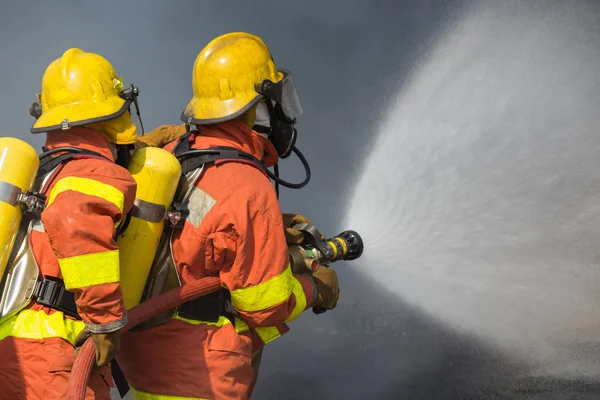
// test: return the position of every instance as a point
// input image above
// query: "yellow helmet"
(232, 74)
(79, 89)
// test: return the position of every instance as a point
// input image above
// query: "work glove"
(107, 345)
(293, 236)
(160, 136)
(328, 289)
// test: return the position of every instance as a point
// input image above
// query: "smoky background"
(352, 62)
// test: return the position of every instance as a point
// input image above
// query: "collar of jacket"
(82, 138)
(238, 135)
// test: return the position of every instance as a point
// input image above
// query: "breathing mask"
(280, 131)
(276, 118)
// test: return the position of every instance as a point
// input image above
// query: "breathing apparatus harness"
(211, 307)
(49, 291)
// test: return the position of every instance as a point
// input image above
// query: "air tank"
(157, 174)
(19, 163)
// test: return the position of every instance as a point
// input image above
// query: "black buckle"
(52, 293)
(206, 308)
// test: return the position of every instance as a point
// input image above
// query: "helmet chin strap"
(113, 150)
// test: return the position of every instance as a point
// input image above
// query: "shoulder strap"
(192, 159)
(49, 163)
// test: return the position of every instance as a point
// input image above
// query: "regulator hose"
(279, 181)
(82, 367)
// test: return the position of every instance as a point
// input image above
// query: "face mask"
(272, 123)
(275, 118)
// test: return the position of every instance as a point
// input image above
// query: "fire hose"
(314, 252)
(82, 367)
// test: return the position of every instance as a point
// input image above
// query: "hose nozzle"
(316, 250)
(346, 246)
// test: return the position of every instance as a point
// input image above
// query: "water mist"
(480, 200)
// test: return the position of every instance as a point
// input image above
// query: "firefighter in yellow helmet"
(234, 231)
(84, 109)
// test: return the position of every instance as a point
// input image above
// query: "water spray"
(481, 193)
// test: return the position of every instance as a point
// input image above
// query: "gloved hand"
(328, 290)
(293, 236)
(107, 345)
(160, 136)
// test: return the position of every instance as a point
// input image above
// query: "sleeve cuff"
(309, 287)
(109, 327)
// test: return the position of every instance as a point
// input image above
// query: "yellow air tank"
(19, 164)
(157, 174)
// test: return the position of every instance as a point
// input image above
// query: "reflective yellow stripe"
(90, 269)
(222, 321)
(300, 300)
(240, 326)
(139, 395)
(29, 324)
(264, 295)
(268, 333)
(90, 187)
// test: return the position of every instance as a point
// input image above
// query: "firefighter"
(234, 230)
(85, 111)
(165, 134)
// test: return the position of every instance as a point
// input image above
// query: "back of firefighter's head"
(232, 76)
(82, 89)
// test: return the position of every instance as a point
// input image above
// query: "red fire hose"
(142, 312)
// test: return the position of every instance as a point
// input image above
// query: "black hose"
(281, 182)
(276, 169)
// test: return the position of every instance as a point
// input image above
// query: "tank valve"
(176, 215)
(32, 203)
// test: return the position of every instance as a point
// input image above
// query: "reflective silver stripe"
(147, 211)
(107, 328)
(9, 193)
(199, 203)
(38, 226)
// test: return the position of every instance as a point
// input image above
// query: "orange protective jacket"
(234, 231)
(86, 200)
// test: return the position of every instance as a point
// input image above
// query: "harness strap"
(192, 159)
(51, 291)
(48, 163)
(209, 308)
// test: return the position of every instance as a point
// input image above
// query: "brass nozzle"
(303, 260)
